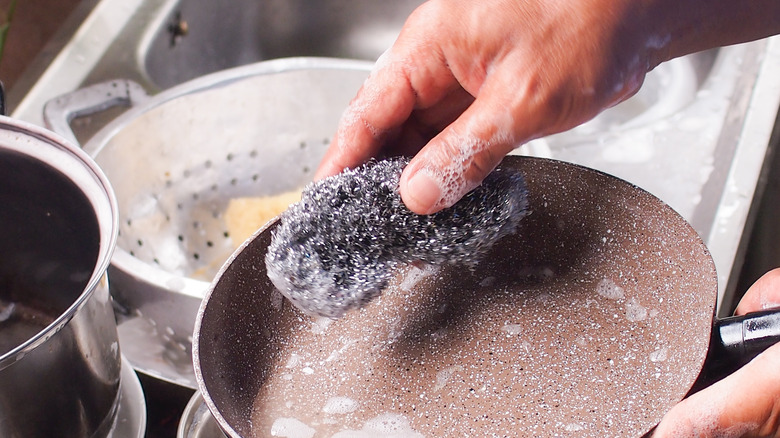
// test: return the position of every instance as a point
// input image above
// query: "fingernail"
(423, 192)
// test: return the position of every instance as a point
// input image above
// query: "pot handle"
(60, 111)
(735, 341)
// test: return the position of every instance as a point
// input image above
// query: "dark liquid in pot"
(20, 322)
(48, 246)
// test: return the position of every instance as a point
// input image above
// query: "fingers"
(458, 159)
(467, 150)
(399, 85)
(763, 294)
(414, 103)
(499, 52)
(411, 75)
(384, 101)
(744, 404)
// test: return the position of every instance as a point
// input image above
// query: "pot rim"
(76, 165)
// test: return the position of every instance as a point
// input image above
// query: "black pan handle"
(735, 341)
(741, 338)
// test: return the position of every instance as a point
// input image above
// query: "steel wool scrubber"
(338, 247)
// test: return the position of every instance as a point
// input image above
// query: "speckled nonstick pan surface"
(592, 320)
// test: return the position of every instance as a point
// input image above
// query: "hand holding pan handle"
(735, 341)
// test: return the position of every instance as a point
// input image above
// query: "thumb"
(763, 294)
(744, 404)
(457, 160)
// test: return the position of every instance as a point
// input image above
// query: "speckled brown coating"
(592, 320)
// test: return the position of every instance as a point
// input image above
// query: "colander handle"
(60, 111)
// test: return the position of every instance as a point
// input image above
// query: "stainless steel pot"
(60, 363)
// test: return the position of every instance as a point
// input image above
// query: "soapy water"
(608, 289)
(659, 355)
(417, 274)
(512, 329)
(320, 324)
(383, 426)
(291, 428)
(6, 311)
(452, 177)
(444, 376)
(386, 425)
(339, 405)
(450, 180)
(487, 281)
(293, 361)
(337, 354)
(635, 311)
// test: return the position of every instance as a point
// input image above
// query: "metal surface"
(259, 30)
(593, 319)
(60, 112)
(764, 252)
(130, 421)
(60, 361)
(274, 123)
(702, 153)
(197, 422)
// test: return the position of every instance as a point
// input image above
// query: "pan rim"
(697, 241)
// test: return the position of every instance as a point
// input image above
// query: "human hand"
(747, 402)
(536, 67)
(468, 81)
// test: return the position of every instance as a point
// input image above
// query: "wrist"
(689, 26)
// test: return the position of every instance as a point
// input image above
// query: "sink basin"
(696, 134)
(189, 42)
(762, 248)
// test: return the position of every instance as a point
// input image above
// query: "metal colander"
(176, 221)
(177, 159)
(175, 166)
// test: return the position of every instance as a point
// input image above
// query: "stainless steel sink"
(761, 237)
(190, 42)
(696, 135)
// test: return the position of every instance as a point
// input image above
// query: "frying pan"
(593, 319)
